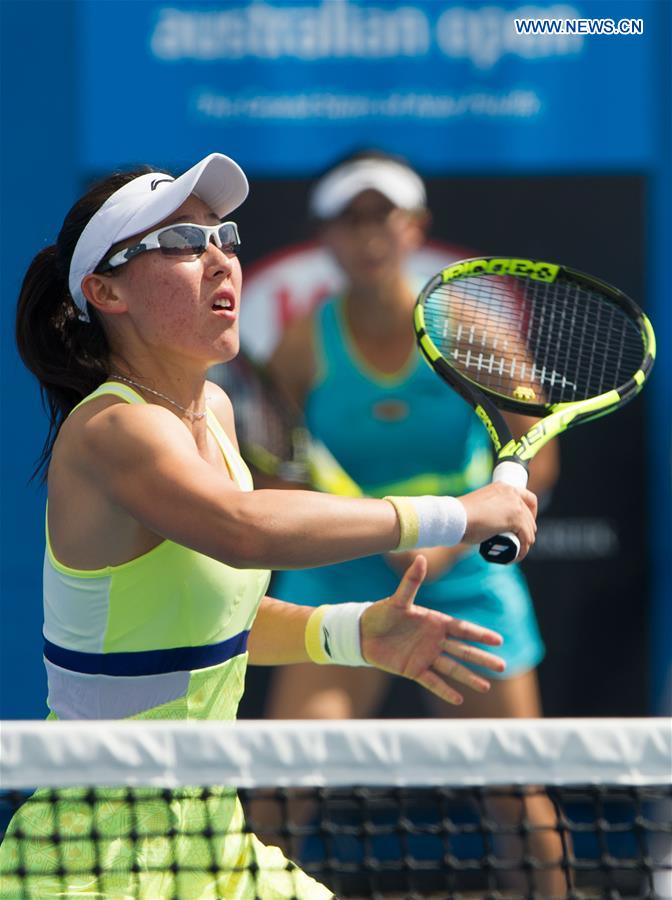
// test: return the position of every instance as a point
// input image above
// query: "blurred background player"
(353, 367)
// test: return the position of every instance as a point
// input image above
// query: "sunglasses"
(179, 240)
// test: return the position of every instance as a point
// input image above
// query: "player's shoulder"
(107, 434)
(109, 410)
(108, 421)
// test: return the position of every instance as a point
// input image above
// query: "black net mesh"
(534, 341)
(486, 842)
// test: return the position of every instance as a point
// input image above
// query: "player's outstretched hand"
(425, 645)
(498, 508)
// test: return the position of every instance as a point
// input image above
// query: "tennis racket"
(535, 338)
(273, 437)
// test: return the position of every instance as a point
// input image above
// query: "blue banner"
(286, 86)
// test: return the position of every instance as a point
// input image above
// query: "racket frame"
(554, 418)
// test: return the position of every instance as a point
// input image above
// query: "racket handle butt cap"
(501, 549)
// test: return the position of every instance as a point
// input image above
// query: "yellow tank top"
(161, 636)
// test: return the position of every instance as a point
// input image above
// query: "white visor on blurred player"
(336, 190)
(144, 202)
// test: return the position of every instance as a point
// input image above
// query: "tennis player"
(353, 368)
(157, 548)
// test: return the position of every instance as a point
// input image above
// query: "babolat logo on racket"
(539, 271)
(485, 419)
(536, 433)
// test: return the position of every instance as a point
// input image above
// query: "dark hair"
(373, 153)
(69, 358)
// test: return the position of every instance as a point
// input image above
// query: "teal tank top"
(406, 433)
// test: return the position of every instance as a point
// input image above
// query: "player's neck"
(381, 331)
(380, 310)
(179, 387)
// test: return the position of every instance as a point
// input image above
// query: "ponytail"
(69, 358)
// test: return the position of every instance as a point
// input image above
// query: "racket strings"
(534, 341)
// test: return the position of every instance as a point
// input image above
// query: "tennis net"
(392, 808)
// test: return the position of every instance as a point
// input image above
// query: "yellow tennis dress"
(163, 636)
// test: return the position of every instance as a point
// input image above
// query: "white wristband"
(429, 521)
(332, 635)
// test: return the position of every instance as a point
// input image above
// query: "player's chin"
(371, 272)
(227, 346)
(375, 277)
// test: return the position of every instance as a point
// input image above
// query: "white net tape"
(400, 753)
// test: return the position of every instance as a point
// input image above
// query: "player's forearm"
(299, 529)
(277, 637)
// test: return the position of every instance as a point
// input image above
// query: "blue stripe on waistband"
(147, 662)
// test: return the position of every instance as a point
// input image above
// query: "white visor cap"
(333, 193)
(144, 202)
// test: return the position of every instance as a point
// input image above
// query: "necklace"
(194, 417)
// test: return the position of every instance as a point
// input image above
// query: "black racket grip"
(504, 548)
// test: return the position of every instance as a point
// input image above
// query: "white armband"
(332, 635)
(429, 521)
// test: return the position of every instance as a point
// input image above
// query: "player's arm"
(276, 617)
(292, 364)
(146, 463)
(543, 473)
(391, 634)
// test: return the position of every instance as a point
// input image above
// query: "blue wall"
(40, 179)
(660, 395)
